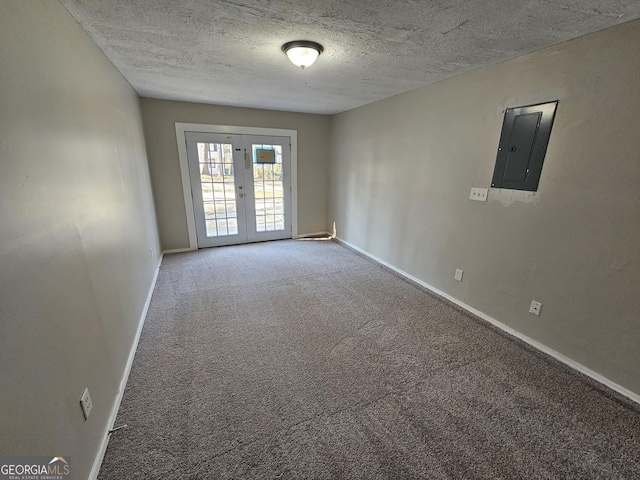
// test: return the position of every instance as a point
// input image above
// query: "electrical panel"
(523, 145)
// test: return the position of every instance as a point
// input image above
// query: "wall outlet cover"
(535, 308)
(458, 275)
(86, 404)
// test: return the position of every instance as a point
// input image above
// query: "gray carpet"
(304, 360)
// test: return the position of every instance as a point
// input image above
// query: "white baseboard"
(125, 376)
(178, 250)
(308, 235)
(300, 235)
(534, 343)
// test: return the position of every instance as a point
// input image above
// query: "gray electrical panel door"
(523, 144)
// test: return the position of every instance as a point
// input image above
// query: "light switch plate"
(479, 194)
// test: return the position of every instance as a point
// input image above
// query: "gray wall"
(160, 117)
(78, 240)
(402, 170)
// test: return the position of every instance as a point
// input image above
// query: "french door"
(240, 187)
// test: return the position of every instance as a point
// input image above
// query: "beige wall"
(402, 170)
(160, 117)
(78, 241)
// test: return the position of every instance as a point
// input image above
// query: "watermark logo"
(35, 468)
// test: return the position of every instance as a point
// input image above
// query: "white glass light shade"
(302, 53)
(302, 56)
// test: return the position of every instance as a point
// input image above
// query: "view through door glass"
(218, 189)
(268, 187)
(268, 179)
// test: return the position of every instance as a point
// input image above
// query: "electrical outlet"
(86, 404)
(479, 194)
(458, 275)
(535, 308)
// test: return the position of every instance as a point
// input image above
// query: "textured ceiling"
(228, 52)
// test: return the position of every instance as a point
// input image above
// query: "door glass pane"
(233, 226)
(215, 161)
(279, 222)
(268, 188)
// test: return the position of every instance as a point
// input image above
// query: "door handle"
(241, 195)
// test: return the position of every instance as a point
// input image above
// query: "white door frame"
(181, 128)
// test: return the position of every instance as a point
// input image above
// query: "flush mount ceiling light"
(302, 53)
